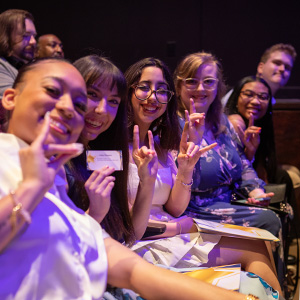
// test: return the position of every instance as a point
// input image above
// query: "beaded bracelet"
(251, 297)
(18, 209)
(185, 184)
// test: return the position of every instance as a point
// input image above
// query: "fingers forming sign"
(145, 158)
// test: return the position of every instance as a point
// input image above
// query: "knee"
(272, 222)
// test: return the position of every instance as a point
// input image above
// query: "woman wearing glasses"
(250, 104)
(152, 107)
(249, 109)
(223, 171)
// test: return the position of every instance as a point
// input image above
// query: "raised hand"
(99, 187)
(145, 158)
(250, 137)
(196, 124)
(33, 162)
(189, 153)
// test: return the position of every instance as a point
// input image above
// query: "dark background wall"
(237, 32)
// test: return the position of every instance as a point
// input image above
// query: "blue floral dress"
(218, 175)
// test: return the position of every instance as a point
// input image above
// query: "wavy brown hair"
(187, 68)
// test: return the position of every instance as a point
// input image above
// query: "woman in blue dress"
(223, 172)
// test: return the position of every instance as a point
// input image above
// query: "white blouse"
(61, 254)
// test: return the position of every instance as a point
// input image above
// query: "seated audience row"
(210, 168)
(101, 125)
(41, 224)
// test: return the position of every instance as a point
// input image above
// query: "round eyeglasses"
(209, 83)
(262, 97)
(144, 92)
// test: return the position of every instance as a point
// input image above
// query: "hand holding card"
(96, 159)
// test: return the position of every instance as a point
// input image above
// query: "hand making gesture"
(196, 124)
(36, 170)
(189, 152)
(145, 158)
(250, 137)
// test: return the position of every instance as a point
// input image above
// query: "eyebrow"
(62, 82)
(247, 90)
(149, 81)
(98, 90)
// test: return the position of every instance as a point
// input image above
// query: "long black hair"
(117, 222)
(265, 155)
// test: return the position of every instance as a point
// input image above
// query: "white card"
(96, 159)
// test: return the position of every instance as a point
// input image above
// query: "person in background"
(249, 109)
(275, 66)
(49, 45)
(17, 47)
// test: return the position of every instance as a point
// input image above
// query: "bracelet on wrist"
(18, 210)
(185, 184)
(188, 185)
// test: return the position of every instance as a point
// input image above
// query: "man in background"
(275, 66)
(17, 47)
(49, 45)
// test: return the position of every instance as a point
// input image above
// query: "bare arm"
(187, 158)
(147, 163)
(128, 270)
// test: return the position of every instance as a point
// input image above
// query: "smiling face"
(276, 70)
(24, 42)
(145, 112)
(202, 97)
(51, 86)
(103, 104)
(254, 106)
(50, 45)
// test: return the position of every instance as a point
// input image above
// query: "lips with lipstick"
(59, 126)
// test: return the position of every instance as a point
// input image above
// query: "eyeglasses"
(264, 97)
(144, 92)
(209, 83)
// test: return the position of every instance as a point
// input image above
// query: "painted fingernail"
(47, 115)
(79, 147)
